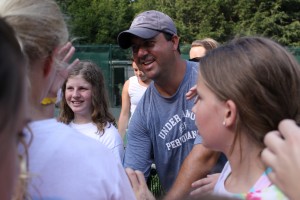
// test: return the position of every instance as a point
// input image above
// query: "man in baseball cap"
(162, 130)
(147, 25)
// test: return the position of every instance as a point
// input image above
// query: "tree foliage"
(100, 21)
(97, 21)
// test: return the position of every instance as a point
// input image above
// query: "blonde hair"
(207, 43)
(13, 103)
(39, 24)
(40, 27)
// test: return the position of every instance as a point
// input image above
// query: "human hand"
(204, 186)
(139, 185)
(62, 56)
(191, 93)
(282, 155)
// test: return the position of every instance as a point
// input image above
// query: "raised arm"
(197, 165)
(282, 156)
(124, 115)
(63, 56)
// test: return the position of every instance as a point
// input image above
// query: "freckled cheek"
(88, 96)
(68, 96)
(201, 118)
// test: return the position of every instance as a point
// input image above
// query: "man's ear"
(175, 41)
(47, 66)
(230, 113)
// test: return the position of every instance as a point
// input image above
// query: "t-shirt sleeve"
(138, 152)
(114, 142)
(118, 152)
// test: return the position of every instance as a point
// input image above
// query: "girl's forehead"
(77, 79)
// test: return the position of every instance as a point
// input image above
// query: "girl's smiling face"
(78, 95)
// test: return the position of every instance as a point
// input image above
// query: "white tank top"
(135, 92)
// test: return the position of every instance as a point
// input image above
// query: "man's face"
(153, 55)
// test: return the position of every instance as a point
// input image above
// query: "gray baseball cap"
(147, 25)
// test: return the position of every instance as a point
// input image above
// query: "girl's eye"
(197, 98)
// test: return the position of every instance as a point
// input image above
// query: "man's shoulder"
(192, 72)
(193, 65)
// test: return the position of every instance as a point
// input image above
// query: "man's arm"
(138, 152)
(197, 165)
(63, 56)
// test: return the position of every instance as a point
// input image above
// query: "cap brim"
(124, 38)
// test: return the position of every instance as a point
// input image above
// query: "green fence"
(296, 52)
(115, 62)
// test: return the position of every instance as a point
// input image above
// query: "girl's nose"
(76, 93)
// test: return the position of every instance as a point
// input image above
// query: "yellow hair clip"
(48, 100)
